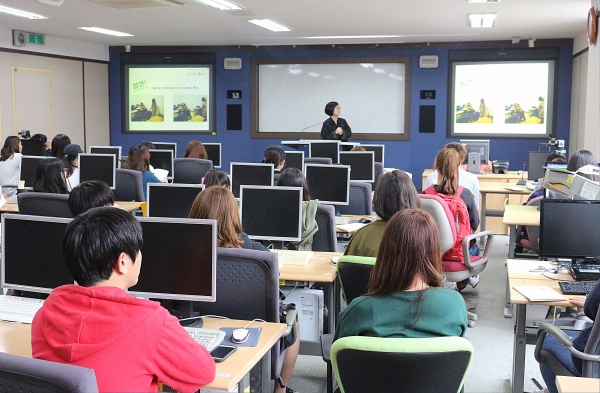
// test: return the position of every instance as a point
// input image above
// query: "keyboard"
(341, 220)
(576, 287)
(18, 309)
(208, 338)
(291, 257)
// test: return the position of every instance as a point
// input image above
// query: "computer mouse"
(240, 336)
(364, 221)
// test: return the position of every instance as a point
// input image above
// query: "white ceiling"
(413, 21)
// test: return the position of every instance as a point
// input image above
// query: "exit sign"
(38, 39)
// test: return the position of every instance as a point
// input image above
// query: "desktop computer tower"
(309, 303)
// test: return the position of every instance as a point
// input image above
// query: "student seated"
(90, 194)
(50, 177)
(59, 142)
(394, 192)
(195, 149)
(274, 155)
(71, 163)
(10, 165)
(216, 178)
(138, 159)
(130, 343)
(405, 297)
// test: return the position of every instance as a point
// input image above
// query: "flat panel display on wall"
(502, 93)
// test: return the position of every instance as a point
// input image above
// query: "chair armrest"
(548, 328)
(486, 251)
(326, 343)
(291, 317)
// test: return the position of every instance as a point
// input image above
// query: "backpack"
(459, 211)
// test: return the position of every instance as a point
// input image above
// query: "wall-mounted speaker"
(232, 63)
(430, 61)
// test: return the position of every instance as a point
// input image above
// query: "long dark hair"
(292, 177)
(216, 178)
(395, 191)
(274, 155)
(447, 163)
(580, 159)
(138, 159)
(59, 142)
(49, 177)
(11, 146)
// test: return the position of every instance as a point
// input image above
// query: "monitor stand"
(337, 210)
(183, 310)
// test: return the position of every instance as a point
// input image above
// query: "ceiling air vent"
(137, 4)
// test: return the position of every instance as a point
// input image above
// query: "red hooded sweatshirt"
(130, 343)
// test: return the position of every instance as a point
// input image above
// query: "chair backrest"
(325, 239)
(354, 273)
(23, 374)
(44, 204)
(591, 369)
(318, 160)
(500, 166)
(378, 172)
(533, 232)
(415, 365)
(128, 185)
(435, 206)
(190, 170)
(361, 200)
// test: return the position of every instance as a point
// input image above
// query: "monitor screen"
(535, 165)
(328, 183)
(243, 173)
(213, 150)
(32, 147)
(32, 258)
(97, 167)
(294, 159)
(166, 146)
(481, 146)
(362, 164)
(171, 200)
(379, 151)
(271, 213)
(329, 149)
(162, 159)
(29, 166)
(115, 150)
(566, 229)
(185, 271)
(556, 165)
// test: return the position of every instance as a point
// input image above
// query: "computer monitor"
(379, 151)
(213, 150)
(362, 164)
(481, 146)
(179, 259)
(329, 149)
(98, 167)
(29, 166)
(535, 164)
(162, 159)
(328, 183)
(294, 159)
(556, 165)
(271, 213)
(171, 199)
(244, 173)
(166, 146)
(567, 227)
(32, 258)
(115, 150)
(32, 147)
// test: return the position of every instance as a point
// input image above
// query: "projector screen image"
(502, 99)
(168, 98)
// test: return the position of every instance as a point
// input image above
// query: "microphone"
(522, 182)
(302, 132)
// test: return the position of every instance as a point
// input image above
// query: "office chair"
(248, 288)
(318, 160)
(393, 365)
(23, 374)
(533, 233)
(500, 166)
(190, 170)
(128, 185)
(378, 172)
(325, 239)
(361, 200)
(44, 204)
(470, 265)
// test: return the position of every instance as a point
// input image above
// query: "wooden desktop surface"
(519, 275)
(503, 188)
(318, 269)
(521, 215)
(15, 338)
(577, 384)
(125, 205)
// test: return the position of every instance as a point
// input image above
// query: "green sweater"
(442, 313)
(365, 241)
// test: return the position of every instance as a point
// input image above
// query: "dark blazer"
(329, 127)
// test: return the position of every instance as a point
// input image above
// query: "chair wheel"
(471, 323)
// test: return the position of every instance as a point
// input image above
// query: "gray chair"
(44, 204)
(318, 160)
(378, 172)
(23, 374)
(325, 239)
(129, 186)
(190, 170)
(500, 166)
(361, 200)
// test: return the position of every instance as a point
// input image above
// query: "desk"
(344, 235)
(125, 205)
(15, 339)
(515, 216)
(499, 189)
(577, 384)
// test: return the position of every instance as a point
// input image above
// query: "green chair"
(395, 365)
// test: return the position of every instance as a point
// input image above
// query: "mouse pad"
(252, 340)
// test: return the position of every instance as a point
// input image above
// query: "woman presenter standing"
(335, 127)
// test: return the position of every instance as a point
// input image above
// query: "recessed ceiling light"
(483, 1)
(21, 13)
(341, 37)
(106, 31)
(269, 25)
(220, 4)
(482, 20)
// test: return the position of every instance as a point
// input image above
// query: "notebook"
(540, 293)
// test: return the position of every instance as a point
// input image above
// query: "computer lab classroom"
(411, 76)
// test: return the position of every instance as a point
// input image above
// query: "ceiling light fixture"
(341, 37)
(220, 4)
(269, 25)
(21, 13)
(483, 1)
(482, 20)
(106, 31)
